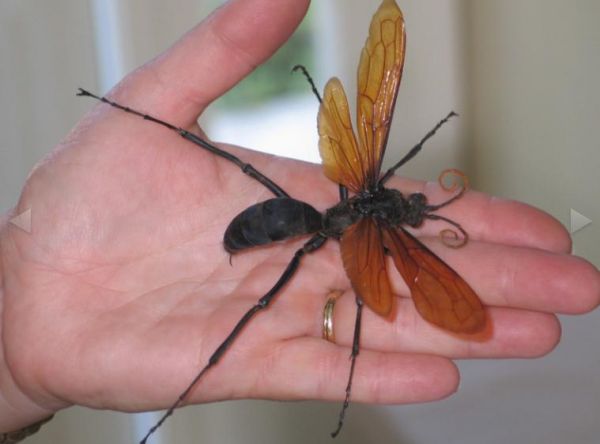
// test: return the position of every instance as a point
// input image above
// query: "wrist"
(17, 410)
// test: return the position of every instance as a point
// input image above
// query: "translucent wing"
(364, 260)
(441, 296)
(345, 161)
(342, 161)
(379, 74)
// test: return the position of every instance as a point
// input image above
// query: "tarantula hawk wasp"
(367, 224)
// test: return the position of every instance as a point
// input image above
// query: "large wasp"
(369, 220)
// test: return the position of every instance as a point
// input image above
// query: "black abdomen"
(269, 221)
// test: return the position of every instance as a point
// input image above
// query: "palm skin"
(123, 289)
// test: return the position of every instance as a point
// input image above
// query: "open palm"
(123, 290)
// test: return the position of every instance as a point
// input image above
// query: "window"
(272, 110)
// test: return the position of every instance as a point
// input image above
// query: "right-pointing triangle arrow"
(578, 221)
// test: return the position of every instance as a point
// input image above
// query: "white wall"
(46, 50)
(535, 98)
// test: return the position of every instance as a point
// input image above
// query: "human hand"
(123, 290)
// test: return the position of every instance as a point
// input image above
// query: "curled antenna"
(450, 238)
(458, 181)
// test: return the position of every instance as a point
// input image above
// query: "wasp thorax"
(388, 205)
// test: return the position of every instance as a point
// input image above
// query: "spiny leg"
(245, 167)
(304, 71)
(342, 189)
(311, 245)
(353, 355)
(413, 152)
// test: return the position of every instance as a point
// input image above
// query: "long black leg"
(353, 355)
(413, 152)
(304, 71)
(245, 167)
(302, 68)
(311, 245)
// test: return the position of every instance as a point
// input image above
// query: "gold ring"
(328, 332)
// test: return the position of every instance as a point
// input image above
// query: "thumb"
(211, 58)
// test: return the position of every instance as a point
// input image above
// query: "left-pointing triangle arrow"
(23, 220)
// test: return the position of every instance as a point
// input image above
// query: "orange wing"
(345, 161)
(364, 260)
(342, 161)
(441, 296)
(379, 75)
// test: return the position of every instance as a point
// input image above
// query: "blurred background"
(523, 74)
